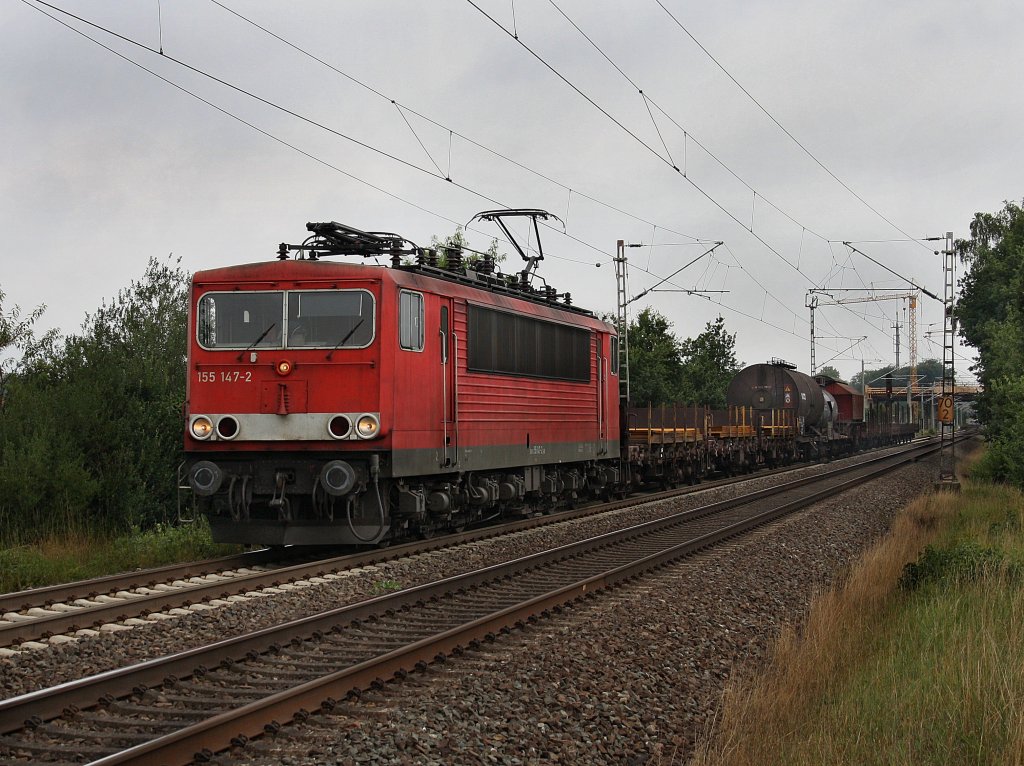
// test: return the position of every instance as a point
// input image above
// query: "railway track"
(204, 700)
(32, 619)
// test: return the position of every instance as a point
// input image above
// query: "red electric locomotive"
(347, 403)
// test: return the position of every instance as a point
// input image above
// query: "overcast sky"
(915, 106)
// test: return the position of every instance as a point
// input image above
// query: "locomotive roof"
(468, 285)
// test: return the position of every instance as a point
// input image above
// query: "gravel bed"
(42, 668)
(632, 677)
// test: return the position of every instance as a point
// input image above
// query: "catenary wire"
(784, 129)
(287, 144)
(405, 108)
(289, 112)
(640, 141)
(648, 101)
(313, 157)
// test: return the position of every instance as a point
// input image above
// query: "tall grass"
(71, 557)
(900, 665)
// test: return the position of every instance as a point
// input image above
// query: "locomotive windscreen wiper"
(347, 336)
(256, 342)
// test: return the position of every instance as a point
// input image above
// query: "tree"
(831, 372)
(663, 370)
(458, 241)
(91, 431)
(15, 331)
(655, 360)
(990, 312)
(18, 342)
(708, 365)
(929, 371)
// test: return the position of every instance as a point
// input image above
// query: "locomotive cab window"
(240, 320)
(274, 319)
(410, 321)
(330, 319)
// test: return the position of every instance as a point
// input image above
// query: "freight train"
(352, 403)
(775, 416)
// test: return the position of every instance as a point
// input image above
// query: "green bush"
(91, 424)
(68, 558)
(960, 561)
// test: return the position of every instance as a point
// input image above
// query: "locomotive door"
(449, 384)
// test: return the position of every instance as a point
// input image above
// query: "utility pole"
(812, 303)
(621, 283)
(896, 336)
(622, 286)
(913, 346)
(947, 404)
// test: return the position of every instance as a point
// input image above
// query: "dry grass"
(883, 674)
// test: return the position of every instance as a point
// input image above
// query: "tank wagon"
(779, 386)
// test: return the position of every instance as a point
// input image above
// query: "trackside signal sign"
(946, 409)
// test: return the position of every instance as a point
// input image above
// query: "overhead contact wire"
(639, 140)
(649, 101)
(451, 131)
(291, 146)
(235, 117)
(783, 127)
(406, 163)
(313, 157)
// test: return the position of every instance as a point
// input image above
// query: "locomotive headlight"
(367, 426)
(284, 367)
(202, 427)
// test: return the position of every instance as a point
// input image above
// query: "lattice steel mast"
(622, 289)
(947, 408)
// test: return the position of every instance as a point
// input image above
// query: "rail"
(577, 569)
